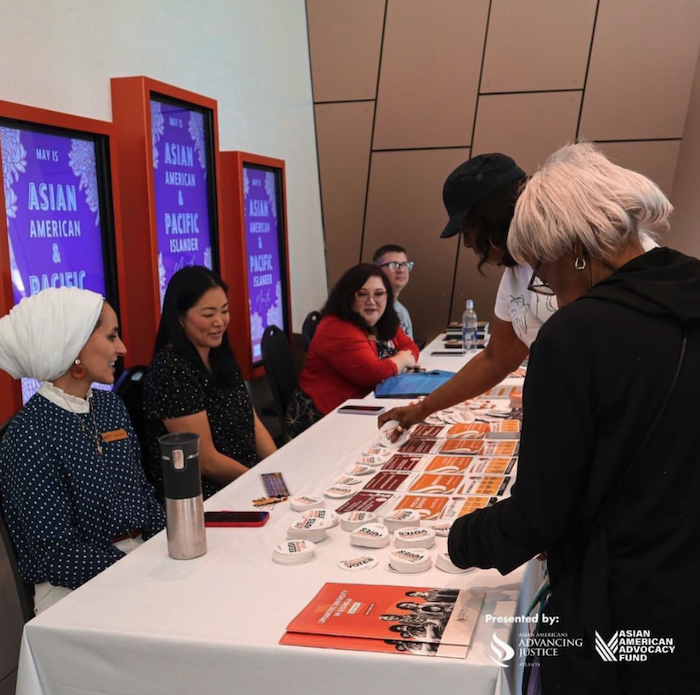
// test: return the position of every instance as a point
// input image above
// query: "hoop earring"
(580, 263)
(78, 371)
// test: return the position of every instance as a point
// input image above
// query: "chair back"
(25, 592)
(309, 327)
(279, 367)
(129, 388)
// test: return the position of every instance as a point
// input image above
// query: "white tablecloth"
(211, 625)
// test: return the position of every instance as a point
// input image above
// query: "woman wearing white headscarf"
(74, 495)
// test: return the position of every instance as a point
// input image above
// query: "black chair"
(309, 327)
(25, 592)
(279, 367)
(129, 388)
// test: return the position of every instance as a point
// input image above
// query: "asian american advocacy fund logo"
(632, 645)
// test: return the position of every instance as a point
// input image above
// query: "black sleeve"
(556, 448)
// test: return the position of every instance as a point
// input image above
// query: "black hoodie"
(599, 372)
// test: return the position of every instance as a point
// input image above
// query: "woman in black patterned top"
(195, 385)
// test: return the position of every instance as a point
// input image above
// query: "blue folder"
(412, 385)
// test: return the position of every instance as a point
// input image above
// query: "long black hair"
(491, 218)
(342, 299)
(184, 290)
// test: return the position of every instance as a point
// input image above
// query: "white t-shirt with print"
(526, 310)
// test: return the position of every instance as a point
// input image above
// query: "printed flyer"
(409, 614)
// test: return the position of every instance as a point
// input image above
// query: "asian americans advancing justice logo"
(503, 651)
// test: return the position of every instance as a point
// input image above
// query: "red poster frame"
(131, 111)
(234, 264)
(56, 119)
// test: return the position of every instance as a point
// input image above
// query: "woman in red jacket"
(357, 345)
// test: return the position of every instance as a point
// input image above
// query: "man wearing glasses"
(392, 259)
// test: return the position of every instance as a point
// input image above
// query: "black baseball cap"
(473, 181)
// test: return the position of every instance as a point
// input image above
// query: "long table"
(150, 624)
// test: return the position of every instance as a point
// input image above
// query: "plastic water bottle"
(469, 327)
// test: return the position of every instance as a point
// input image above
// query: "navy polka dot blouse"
(64, 502)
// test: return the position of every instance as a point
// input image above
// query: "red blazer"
(343, 363)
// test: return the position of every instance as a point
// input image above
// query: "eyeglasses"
(537, 285)
(394, 266)
(364, 295)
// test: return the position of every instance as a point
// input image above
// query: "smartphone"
(233, 519)
(362, 409)
(447, 353)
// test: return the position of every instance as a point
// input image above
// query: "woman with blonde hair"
(607, 484)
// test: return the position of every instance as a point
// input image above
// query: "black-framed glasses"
(394, 265)
(364, 295)
(537, 284)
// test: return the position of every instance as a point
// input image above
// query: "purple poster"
(182, 190)
(53, 215)
(262, 243)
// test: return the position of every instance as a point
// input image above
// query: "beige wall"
(685, 226)
(405, 90)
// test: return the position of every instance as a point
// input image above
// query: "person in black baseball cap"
(480, 197)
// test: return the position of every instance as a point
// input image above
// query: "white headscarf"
(42, 335)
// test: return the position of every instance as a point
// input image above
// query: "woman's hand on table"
(406, 416)
(403, 360)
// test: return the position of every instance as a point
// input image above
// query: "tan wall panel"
(657, 160)
(405, 207)
(538, 44)
(344, 44)
(430, 73)
(685, 223)
(344, 132)
(527, 127)
(471, 284)
(642, 67)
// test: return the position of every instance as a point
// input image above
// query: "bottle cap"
(470, 303)
(293, 552)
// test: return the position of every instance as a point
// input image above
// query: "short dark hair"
(184, 290)
(387, 248)
(342, 299)
(491, 218)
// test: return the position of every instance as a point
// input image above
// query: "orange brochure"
(414, 614)
(363, 644)
(460, 506)
(430, 507)
(492, 485)
(447, 464)
(436, 483)
(492, 464)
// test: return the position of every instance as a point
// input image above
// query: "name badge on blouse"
(114, 435)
